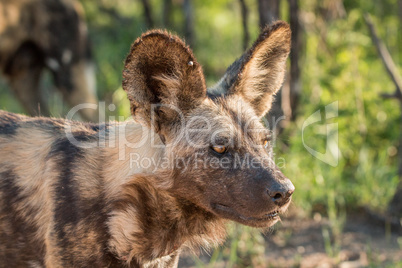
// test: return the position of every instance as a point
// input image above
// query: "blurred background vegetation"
(338, 63)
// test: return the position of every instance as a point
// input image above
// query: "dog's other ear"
(258, 74)
(161, 73)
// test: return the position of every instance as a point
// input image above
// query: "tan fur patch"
(263, 74)
(123, 227)
(127, 141)
(35, 176)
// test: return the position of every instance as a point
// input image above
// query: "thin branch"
(384, 55)
(394, 95)
(395, 206)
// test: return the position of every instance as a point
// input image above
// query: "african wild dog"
(80, 195)
(36, 35)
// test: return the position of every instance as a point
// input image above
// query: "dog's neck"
(148, 223)
(128, 149)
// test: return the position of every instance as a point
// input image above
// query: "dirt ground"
(299, 241)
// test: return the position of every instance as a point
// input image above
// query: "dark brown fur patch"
(18, 245)
(164, 223)
(8, 123)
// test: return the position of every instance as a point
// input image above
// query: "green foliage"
(345, 68)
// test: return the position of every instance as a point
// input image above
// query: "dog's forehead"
(232, 114)
(243, 115)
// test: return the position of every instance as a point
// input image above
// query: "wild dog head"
(214, 137)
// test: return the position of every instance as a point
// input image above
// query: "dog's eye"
(220, 149)
(266, 143)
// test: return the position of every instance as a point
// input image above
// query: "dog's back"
(37, 200)
(24, 191)
(53, 209)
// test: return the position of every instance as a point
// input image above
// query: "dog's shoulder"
(9, 122)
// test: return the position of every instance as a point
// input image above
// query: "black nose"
(281, 193)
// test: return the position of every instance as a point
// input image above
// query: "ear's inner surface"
(162, 72)
(258, 74)
(229, 78)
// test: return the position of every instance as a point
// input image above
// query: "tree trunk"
(395, 206)
(268, 11)
(188, 22)
(244, 16)
(167, 12)
(400, 12)
(147, 14)
(293, 97)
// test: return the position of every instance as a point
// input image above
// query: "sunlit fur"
(74, 194)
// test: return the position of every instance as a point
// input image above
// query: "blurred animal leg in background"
(76, 82)
(70, 57)
(23, 71)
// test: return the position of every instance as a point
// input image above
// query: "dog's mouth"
(264, 221)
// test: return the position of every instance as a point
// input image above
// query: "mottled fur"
(134, 195)
(46, 34)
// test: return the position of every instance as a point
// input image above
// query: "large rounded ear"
(162, 78)
(258, 74)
